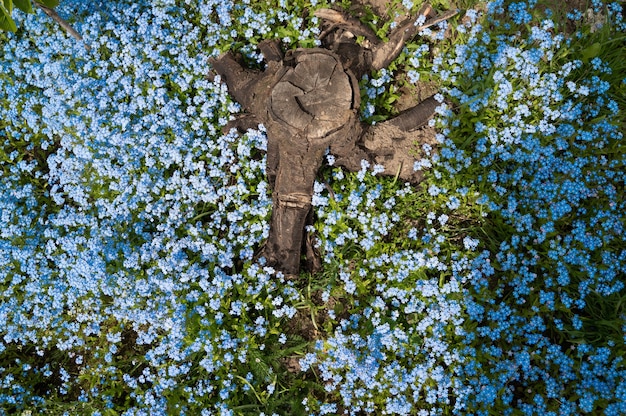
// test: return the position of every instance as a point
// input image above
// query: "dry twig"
(61, 22)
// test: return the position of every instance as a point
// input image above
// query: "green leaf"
(24, 5)
(49, 3)
(442, 4)
(591, 52)
(6, 23)
(8, 7)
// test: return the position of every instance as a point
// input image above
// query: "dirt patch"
(302, 325)
(397, 151)
(413, 94)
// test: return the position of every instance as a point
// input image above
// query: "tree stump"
(308, 101)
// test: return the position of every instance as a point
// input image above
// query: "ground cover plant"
(129, 220)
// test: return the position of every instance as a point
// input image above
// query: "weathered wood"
(313, 102)
(346, 22)
(240, 80)
(386, 52)
(308, 100)
(271, 50)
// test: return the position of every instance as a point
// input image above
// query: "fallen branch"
(61, 22)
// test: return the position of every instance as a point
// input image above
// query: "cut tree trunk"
(308, 101)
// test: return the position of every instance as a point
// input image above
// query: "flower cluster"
(130, 218)
(534, 141)
(378, 95)
(396, 345)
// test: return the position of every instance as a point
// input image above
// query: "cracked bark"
(308, 100)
